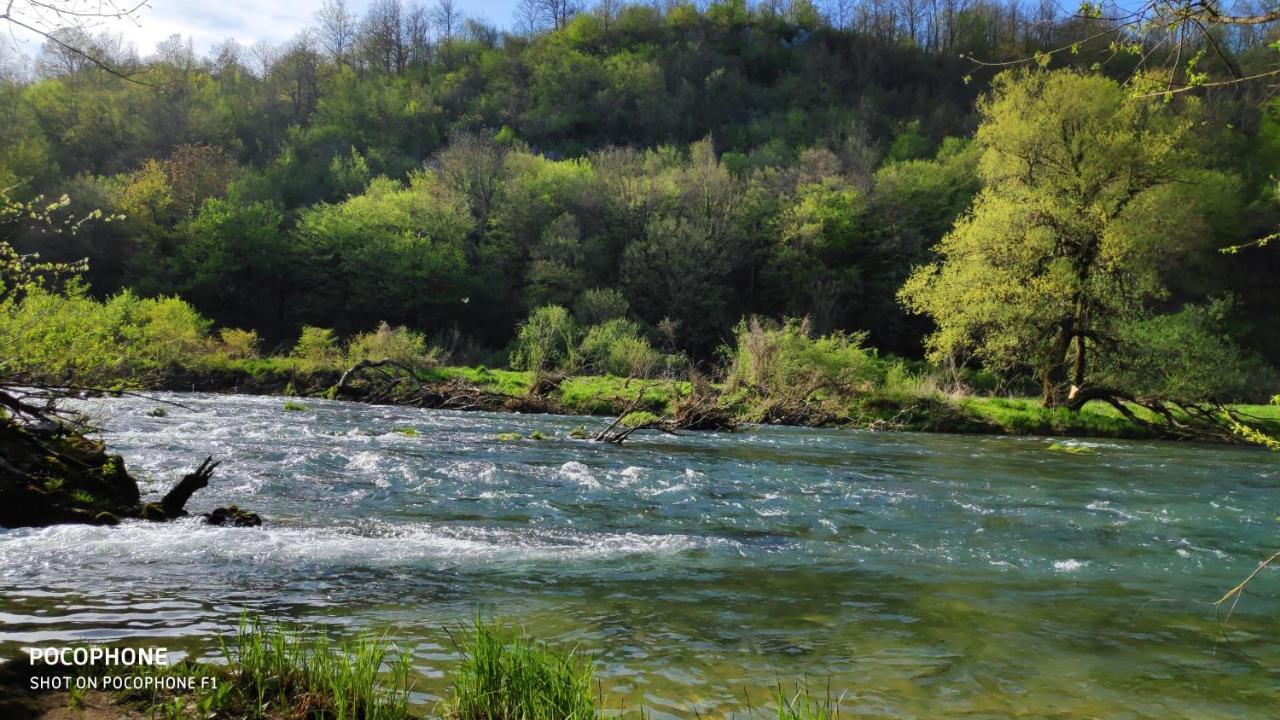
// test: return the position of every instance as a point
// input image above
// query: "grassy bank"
(273, 672)
(773, 373)
(878, 408)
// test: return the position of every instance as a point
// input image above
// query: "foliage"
(785, 360)
(76, 337)
(616, 347)
(387, 343)
(599, 305)
(547, 340)
(317, 346)
(1183, 356)
(1084, 193)
(239, 344)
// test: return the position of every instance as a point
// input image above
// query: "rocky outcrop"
(50, 475)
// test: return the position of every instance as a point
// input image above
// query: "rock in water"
(233, 516)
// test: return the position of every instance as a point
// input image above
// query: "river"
(918, 576)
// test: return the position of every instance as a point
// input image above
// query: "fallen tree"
(700, 409)
(1174, 420)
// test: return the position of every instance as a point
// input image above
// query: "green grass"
(803, 704)
(277, 671)
(504, 675)
(608, 395)
(513, 383)
(1025, 416)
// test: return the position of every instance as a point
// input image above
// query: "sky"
(209, 22)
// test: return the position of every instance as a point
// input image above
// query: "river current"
(918, 576)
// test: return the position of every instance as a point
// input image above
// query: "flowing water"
(919, 576)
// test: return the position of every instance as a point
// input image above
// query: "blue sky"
(209, 22)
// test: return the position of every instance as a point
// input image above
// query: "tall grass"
(281, 669)
(505, 675)
(802, 704)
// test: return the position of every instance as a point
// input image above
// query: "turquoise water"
(925, 576)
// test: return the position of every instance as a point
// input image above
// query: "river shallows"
(927, 576)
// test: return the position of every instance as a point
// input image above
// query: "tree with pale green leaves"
(1091, 201)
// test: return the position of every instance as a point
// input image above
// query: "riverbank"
(498, 390)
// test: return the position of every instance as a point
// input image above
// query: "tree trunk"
(1079, 367)
(1053, 377)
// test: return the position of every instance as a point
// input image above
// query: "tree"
(337, 29)
(65, 26)
(447, 17)
(1088, 196)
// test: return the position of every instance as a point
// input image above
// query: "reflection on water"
(922, 576)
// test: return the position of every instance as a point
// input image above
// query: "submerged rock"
(233, 516)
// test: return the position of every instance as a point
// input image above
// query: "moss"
(406, 431)
(1072, 449)
(106, 518)
(536, 435)
(290, 406)
(579, 433)
(153, 512)
(508, 437)
(82, 497)
(638, 418)
(157, 412)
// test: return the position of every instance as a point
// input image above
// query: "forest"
(657, 175)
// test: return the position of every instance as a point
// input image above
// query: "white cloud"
(209, 22)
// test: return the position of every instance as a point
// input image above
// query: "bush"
(547, 340)
(616, 347)
(317, 346)
(783, 360)
(239, 344)
(599, 305)
(171, 331)
(74, 337)
(387, 343)
(509, 677)
(1182, 356)
(65, 337)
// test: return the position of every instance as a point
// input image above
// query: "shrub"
(172, 331)
(317, 346)
(783, 360)
(239, 344)
(616, 347)
(63, 336)
(387, 343)
(508, 677)
(547, 340)
(1182, 356)
(599, 305)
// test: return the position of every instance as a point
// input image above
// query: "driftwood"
(696, 411)
(175, 501)
(374, 364)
